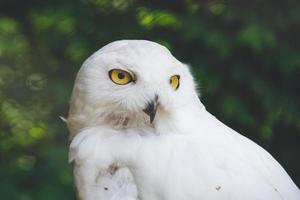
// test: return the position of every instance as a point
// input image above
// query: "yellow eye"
(174, 81)
(120, 77)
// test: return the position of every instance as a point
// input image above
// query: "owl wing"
(244, 165)
(93, 181)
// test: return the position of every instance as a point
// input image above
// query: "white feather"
(185, 154)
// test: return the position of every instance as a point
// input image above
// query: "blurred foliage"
(245, 56)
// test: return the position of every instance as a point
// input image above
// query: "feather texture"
(185, 154)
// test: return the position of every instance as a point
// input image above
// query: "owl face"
(135, 76)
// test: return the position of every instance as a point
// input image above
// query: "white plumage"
(184, 154)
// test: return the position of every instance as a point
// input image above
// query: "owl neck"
(182, 120)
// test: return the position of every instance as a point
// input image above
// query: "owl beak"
(152, 108)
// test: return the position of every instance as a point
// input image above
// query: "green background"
(245, 56)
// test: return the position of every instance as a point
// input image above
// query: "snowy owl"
(139, 131)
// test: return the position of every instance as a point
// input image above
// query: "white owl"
(140, 132)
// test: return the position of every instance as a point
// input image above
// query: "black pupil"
(121, 75)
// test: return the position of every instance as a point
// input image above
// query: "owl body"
(224, 165)
(182, 152)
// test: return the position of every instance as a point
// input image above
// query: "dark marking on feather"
(218, 188)
(125, 121)
(113, 168)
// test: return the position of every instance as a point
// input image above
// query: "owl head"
(129, 83)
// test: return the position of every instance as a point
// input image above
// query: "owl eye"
(175, 81)
(120, 77)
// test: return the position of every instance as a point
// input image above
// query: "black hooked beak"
(152, 108)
